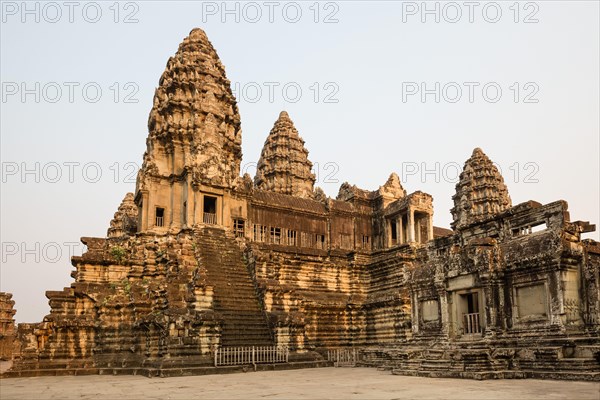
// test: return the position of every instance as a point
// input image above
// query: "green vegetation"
(118, 253)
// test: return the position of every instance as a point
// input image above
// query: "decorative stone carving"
(194, 122)
(125, 220)
(393, 187)
(319, 195)
(283, 166)
(480, 192)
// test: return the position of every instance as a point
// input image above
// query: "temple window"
(292, 237)
(471, 319)
(259, 233)
(529, 229)
(238, 227)
(275, 235)
(210, 210)
(394, 233)
(320, 241)
(160, 216)
(366, 242)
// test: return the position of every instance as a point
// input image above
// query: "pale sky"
(359, 80)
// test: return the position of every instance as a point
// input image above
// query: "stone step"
(235, 297)
(564, 375)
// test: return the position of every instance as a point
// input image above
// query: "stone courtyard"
(319, 383)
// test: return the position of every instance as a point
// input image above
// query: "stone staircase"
(235, 299)
(483, 362)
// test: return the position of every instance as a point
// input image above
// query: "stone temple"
(200, 260)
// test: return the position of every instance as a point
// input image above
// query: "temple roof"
(283, 166)
(392, 187)
(480, 192)
(194, 108)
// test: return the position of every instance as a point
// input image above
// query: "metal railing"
(471, 323)
(159, 221)
(251, 355)
(343, 357)
(210, 218)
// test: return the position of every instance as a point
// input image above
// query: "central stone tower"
(194, 144)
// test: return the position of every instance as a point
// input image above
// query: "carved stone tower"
(283, 166)
(194, 141)
(480, 192)
(125, 220)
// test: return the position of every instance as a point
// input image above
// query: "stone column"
(411, 225)
(189, 198)
(415, 312)
(445, 310)
(176, 204)
(144, 216)
(557, 304)
(220, 210)
(490, 308)
(430, 227)
(197, 206)
(401, 238)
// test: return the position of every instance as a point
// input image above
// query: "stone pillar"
(197, 206)
(415, 312)
(557, 305)
(490, 308)
(411, 225)
(176, 204)
(189, 205)
(445, 311)
(400, 227)
(219, 208)
(429, 222)
(145, 208)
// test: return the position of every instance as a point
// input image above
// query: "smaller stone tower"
(283, 166)
(125, 220)
(480, 192)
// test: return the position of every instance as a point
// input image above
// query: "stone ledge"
(166, 372)
(484, 375)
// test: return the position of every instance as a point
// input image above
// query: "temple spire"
(124, 221)
(283, 166)
(480, 192)
(194, 124)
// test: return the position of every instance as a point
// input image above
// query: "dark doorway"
(210, 210)
(470, 310)
(394, 232)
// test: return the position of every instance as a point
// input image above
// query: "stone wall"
(7, 326)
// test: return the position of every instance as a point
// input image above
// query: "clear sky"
(373, 87)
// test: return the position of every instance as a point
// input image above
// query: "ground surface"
(320, 383)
